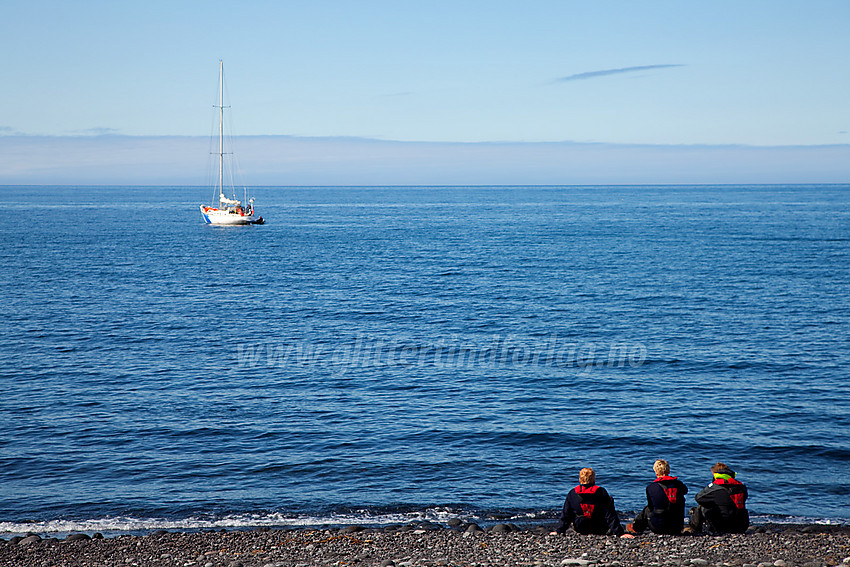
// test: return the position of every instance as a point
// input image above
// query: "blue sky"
(650, 75)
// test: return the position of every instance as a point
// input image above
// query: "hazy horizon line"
(367, 139)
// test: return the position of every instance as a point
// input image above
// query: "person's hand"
(627, 536)
(553, 533)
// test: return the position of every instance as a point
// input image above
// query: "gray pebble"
(352, 529)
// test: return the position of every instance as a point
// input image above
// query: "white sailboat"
(230, 210)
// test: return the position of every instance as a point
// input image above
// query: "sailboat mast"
(221, 128)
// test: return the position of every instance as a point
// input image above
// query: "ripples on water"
(380, 351)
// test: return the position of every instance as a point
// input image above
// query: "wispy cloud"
(606, 72)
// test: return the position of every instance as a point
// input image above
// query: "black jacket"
(724, 506)
(590, 510)
(666, 505)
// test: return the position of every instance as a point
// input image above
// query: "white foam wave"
(129, 525)
(774, 519)
(119, 525)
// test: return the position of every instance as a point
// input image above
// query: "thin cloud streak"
(606, 72)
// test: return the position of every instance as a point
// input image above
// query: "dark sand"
(432, 545)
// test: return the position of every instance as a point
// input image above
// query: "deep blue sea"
(377, 355)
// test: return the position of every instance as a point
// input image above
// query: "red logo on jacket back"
(671, 494)
(587, 510)
(738, 499)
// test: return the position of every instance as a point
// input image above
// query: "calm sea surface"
(376, 355)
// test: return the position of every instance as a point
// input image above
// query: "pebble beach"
(427, 544)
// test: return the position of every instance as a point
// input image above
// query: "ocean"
(376, 355)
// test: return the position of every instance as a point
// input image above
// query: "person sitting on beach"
(721, 505)
(589, 509)
(665, 510)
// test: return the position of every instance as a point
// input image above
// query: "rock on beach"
(431, 545)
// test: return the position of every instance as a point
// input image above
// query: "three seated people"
(721, 506)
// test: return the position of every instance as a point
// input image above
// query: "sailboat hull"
(225, 217)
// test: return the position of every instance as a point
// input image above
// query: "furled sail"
(225, 201)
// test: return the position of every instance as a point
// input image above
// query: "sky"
(346, 86)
